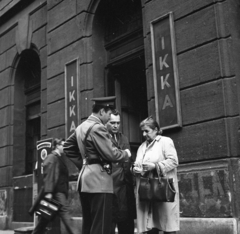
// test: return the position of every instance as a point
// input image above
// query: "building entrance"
(127, 81)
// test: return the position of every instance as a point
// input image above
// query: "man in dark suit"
(91, 146)
(124, 209)
(55, 184)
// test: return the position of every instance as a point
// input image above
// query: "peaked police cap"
(105, 101)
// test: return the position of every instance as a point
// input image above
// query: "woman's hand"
(137, 170)
(148, 166)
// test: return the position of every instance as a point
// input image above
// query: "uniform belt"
(93, 161)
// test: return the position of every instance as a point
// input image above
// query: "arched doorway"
(26, 130)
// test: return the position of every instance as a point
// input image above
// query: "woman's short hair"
(57, 141)
(151, 123)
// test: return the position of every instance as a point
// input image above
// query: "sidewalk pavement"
(6, 232)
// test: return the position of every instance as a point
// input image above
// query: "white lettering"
(163, 62)
(167, 102)
(73, 126)
(71, 80)
(71, 96)
(72, 112)
(164, 81)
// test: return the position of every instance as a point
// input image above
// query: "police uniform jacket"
(92, 177)
(55, 174)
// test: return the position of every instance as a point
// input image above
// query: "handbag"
(156, 189)
(44, 207)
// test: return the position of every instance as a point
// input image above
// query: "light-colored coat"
(161, 215)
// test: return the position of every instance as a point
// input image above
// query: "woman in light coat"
(153, 217)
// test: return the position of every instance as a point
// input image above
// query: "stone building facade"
(110, 43)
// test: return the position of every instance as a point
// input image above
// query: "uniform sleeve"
(51, 174)
(72, 151)
(104, 146)
(170, 155)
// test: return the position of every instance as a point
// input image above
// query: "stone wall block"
(203, 102)
(83, 5)
(232, 125)
(7, 40)
(199, 65)
(85, 104)
(225, 60)
(57, 61)
(65, 34)
(221, 14)
(153, 9)
(206, 140)
(43, 57)
(150, 83)
(56, 114)
(230, 96)
(148, 50)
(39, 18)
(58, 132)
(6, 156)
(44, 78)
(7, 58)
(10, 56)
(5, 79)
(44, 100)
(6, 116)
(152, 107)
(52, 3)
(61, 13)
(6, 136)
(39, 38)
(55, 90)
(5, 97)
(86, 77)
(86, 55)
(6, 176)
(196, 29)
(43, 124)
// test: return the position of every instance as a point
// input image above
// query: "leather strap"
(86, 136)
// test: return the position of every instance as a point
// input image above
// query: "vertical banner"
(165, 73)
(71, 96)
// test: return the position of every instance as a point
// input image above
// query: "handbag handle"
(159, 172)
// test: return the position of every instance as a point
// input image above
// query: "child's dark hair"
(57, 141)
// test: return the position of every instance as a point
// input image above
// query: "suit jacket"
(92, 178)
(55, 174)
(124, 200)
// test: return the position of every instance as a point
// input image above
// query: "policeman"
(91, 146)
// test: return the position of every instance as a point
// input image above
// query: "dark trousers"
(124, 227)
(96, 213)
(63, 213)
